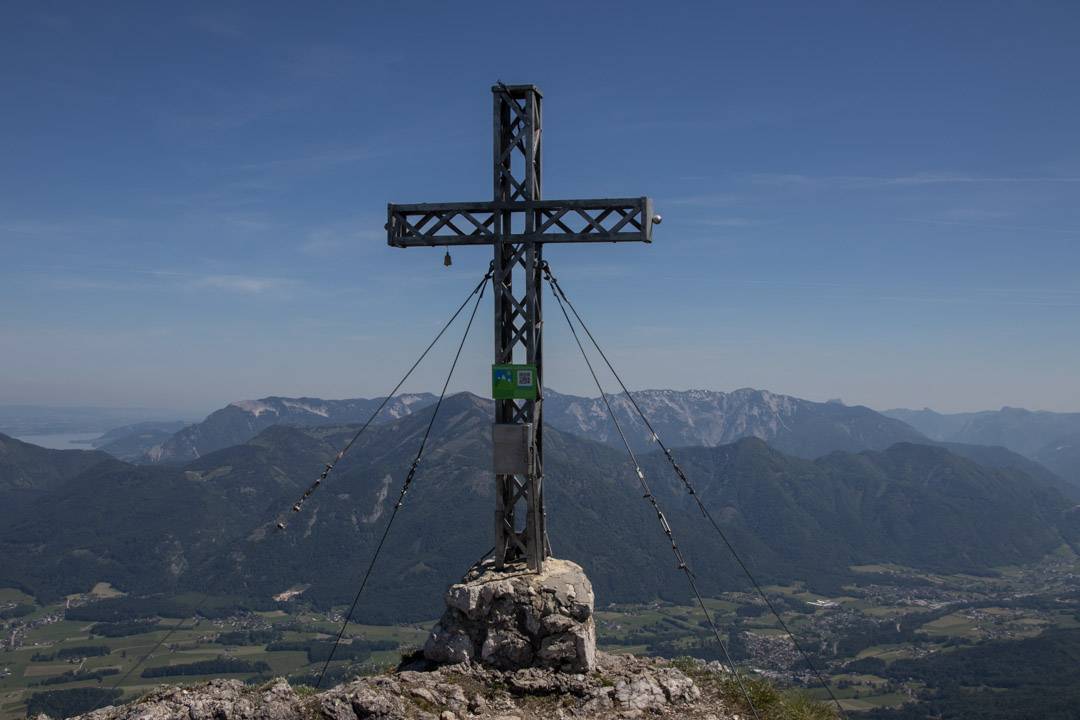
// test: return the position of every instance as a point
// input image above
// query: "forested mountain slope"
(210, 524)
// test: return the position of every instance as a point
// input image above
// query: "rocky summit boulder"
(514, 619)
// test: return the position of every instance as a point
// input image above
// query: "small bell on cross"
(446, 261)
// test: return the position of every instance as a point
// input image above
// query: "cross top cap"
(516, 89)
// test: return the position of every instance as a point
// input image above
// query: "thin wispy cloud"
(329, 62)
(708, 200)
(1049, 292)
(1033, 301)
(259, 183)
(731, 222)
(335, 239)
(54, 22)
(315, 161)
(974, 214)
(85, 269)
(220, 24)
(105, 277)
(248, 284)
(323, 245)
(79, 284)
(245, 193)
(44, 229)
(919, 179)
(220, 110)
(914, 293)
(806, 284)
(992, 226)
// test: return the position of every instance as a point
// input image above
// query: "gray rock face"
(515, 619)
(620, 687)
(215, 700)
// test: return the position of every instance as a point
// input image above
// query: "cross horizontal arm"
(556, 221)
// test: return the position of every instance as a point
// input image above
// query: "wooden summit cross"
(518, 224)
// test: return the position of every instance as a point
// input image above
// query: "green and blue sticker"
(513, 382)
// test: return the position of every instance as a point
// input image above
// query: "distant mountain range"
(24, 466)
(131, 442)
(209, 524)
(1052, 439)
(709, 418)
(240, 421)
(694, 417)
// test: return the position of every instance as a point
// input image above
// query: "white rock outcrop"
(514, 619)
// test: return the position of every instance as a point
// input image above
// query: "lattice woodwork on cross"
(518, 223)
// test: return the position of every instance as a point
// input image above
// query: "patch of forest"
(1034, 677)
(220, 666)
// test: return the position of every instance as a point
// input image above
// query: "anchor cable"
(151, 651)
(558, 291)
(664, 525)
(408, 479)
(341, 453)
(480, 287)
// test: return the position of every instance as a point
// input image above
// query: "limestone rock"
(215, 700)
(514, 619)
(620, 686)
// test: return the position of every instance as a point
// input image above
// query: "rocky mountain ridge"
(682, 417)
(707, 418)
(242, 420)
(131, 442)
(623, 686)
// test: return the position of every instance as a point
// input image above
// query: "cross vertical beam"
(517, 222)
(518, 316)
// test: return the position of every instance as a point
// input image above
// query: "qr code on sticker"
(524, 378)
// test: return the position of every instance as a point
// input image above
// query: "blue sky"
(871, 201)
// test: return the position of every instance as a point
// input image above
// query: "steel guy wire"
(341, 453)
(558, 291)
(664, 525)
(405, 485)
(152, 650)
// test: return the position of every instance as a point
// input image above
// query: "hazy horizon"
(198, 413)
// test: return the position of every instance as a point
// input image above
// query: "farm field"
(58, 654)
